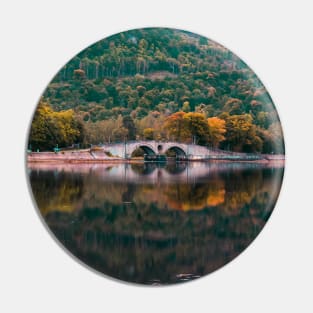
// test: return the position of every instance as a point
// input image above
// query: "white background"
(275, 38)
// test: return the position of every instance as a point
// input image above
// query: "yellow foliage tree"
(217, 129)
(197, 127)
(50, 128)
(148, 133)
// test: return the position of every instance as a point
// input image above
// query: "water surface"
(156, 224)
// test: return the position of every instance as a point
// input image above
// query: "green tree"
(277, 138)
(79, 74)
(129, 124)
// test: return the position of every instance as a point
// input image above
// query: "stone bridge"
(152, 147)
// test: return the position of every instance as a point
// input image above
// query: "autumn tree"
(67, 128)
(120, 133)
(197, 127)
(148, 133)
(187, 127)
(217, 130)
(50, 128)
(207, 110)
(241, 134)
(154, 120)
(233, 106)
(177, 127)
(186, 107)
(99, 132)
(151, 74)
(42, 136)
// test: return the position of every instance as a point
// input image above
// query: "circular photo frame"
(155, 156)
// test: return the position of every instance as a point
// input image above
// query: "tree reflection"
(144, 224)
(143, 169)
(229, 191)
(176, 167)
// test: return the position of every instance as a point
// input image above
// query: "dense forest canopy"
(161, 84)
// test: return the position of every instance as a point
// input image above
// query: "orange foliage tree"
(177, 127)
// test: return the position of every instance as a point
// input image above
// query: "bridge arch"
(147, 149)
(177, 150)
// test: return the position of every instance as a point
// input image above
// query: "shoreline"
(34, 160)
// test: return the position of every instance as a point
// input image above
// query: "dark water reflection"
(149, 224)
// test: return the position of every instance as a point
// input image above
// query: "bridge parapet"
(153, 147)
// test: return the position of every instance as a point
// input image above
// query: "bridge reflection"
(139, 173)
(162, 220)
(149, 168)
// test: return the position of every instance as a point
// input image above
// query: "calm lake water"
(154, 224)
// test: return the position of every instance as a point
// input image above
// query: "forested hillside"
(158, 84)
